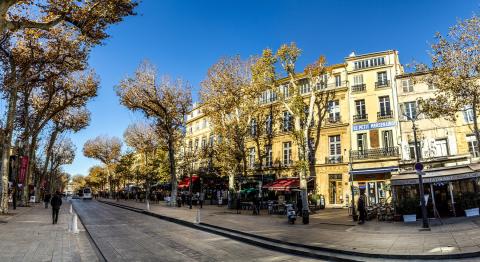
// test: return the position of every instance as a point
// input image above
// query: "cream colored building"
(374, 121)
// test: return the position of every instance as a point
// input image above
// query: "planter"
(472, 212)
(409, 218)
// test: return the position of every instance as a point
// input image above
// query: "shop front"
(374, 182)
(449, 191)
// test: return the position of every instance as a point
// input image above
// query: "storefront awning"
(379, 170)
(185, 183)
(442, 174)
(285, 184)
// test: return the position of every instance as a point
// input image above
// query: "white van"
(87, 193)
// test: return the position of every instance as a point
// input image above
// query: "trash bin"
(322, 202)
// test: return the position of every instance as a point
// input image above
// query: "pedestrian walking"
(361, 207)
(201, 197)
(46, 199)
(56, 202)
(239, 203)
(183, 198)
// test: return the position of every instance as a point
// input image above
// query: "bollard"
(71, 209)
(197, 218)
(148, 205)
(74, 224)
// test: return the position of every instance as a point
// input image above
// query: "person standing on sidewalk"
(46, 199)
(361, 207)
(56, 203)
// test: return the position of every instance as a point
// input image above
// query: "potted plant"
(408, 208)
(469, 204)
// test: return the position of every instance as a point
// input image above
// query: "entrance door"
(335, 189)
(442, 199)
(372, 193)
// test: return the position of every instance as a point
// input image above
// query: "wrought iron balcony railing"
(333, 119)
(375, 153)
(385, 115)
(382, 84)
(359, 88)
(360, 118)
(333, 159)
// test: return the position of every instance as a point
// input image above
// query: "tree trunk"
(53, 137)
(173, 176)
(475, 121)
(7, 141)
(31, 156)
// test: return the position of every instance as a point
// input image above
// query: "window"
(190, 145)
(338, 80)
(196, 143)
(268, 124)
(287, 119)
(251, 157)
(268, 156)
(387, 138)
(304, 87)
(211, 138)
(473, 146)
(362, 142)
(311, 151)
(335, 146)
(407, 85)
(253, 127)
(204, 123)
(413, 152)
(285, 90)
(287, 153)
(441, 147)
(378, 61)
(357, 79)
(204, 142)
(468, 114)
(410, 110)
(360, 108)
(334, 111)
(382, 78)
(384, 105)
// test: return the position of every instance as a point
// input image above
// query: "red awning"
(283, 184)
(185, 183)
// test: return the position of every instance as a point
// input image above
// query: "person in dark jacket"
(56, 202)
(361, 207)
(46, 199)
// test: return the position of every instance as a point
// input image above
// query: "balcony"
(333, 120)
(375, 153)
(385, 115)
(333, 159)
(382, 84)
(360, 118)
(359, 88)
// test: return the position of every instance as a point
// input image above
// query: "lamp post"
(354, 213)
(418, 170)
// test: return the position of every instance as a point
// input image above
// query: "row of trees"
(46, 81)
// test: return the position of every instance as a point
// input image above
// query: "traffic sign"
(418, 166)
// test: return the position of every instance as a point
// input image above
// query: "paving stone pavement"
(333, 229)
(123, 235)
(29, 235)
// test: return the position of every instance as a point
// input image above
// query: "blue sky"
(184, 38)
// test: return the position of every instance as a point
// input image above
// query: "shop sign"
(369, 126)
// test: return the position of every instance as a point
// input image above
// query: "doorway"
(335, 189)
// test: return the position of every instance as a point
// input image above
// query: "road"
(123, 235)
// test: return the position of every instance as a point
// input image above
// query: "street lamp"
(354, 213)
(418, 170)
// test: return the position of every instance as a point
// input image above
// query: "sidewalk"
(332, 228)
(29, 235)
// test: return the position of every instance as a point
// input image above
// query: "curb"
(92, 240)
(211, 229)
